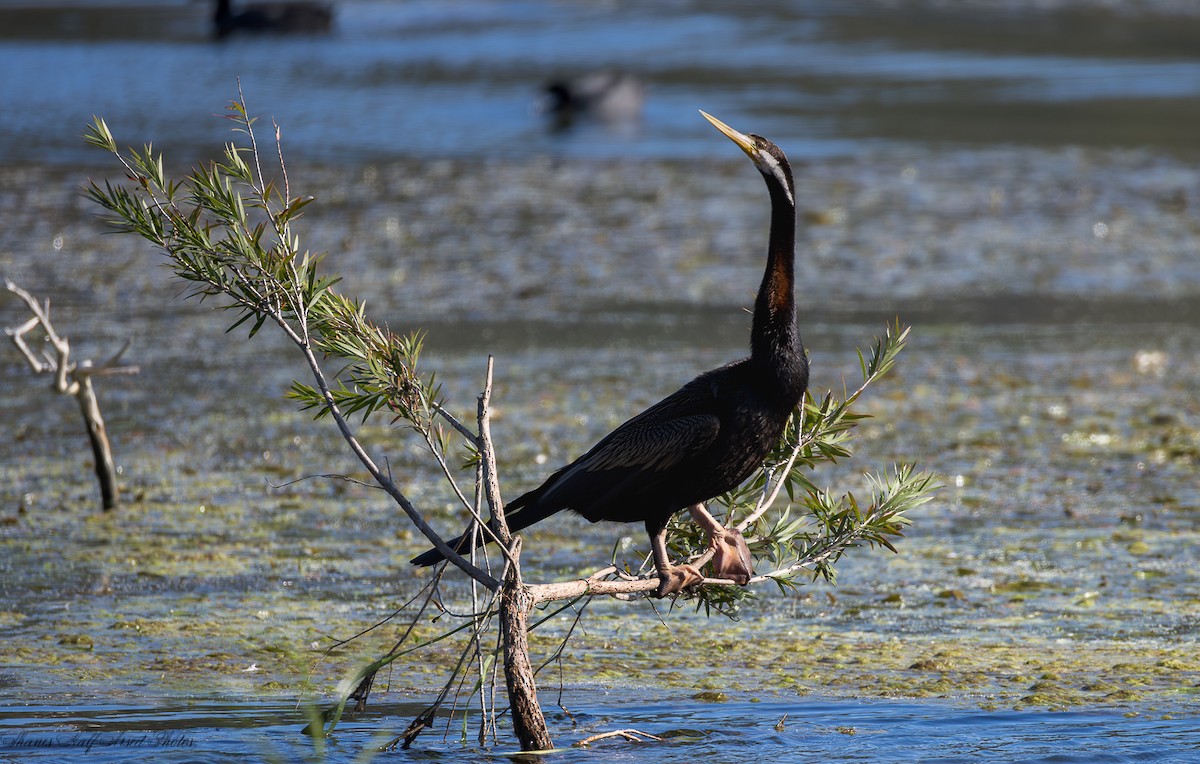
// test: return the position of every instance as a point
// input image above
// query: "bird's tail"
(520, 513)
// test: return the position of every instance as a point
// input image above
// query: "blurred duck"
(609, 96)
(292, 16)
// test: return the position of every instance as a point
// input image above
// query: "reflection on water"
(424, 78)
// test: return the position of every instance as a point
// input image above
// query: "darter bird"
(705, 438)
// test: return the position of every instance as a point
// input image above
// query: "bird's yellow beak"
(744, 142)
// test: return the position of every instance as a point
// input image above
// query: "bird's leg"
(731, 557)
(671, 578)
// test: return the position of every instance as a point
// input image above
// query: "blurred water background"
(1016, 179)
(413, 79)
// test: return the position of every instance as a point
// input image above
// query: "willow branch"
(447, 473)
(806, 439)
(453, 421)
(768, 500)
(379, 476)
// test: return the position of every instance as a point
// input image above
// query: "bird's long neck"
(774, 338)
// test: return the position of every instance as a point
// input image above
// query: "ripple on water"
(809, 731)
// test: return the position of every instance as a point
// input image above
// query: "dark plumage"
(707, 437)
(286, 16)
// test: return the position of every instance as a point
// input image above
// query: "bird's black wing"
(611, 481)
(633, 460)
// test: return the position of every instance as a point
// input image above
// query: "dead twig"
(75, 380)
(632, 735)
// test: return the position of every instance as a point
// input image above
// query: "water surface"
(804, 731)
(1016, 180)
(463, 78)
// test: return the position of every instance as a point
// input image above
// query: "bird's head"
(767, 157)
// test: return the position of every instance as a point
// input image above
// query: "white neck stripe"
(770, 164)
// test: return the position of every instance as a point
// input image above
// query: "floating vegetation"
(1037, 560)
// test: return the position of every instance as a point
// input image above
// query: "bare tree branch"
(74, 380)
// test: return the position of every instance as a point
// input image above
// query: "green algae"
(1056, 570)
(710, 696)
(267, 625)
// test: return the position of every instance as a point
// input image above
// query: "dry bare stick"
(487, 456)
(516, 602)
(487, 485)
(633, 736)
(481, 620)
(74, 380)
(562, 590)
(486, 474)
(528, 721)
(598, 584)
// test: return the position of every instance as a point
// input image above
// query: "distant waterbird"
(608, 96)
(707, 437)
(284, 17)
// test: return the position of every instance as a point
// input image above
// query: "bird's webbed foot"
(676, 578)
(731, 557)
